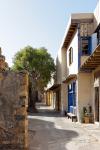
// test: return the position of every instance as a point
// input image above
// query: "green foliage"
(38, 62)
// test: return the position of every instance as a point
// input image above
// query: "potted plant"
(86, 118)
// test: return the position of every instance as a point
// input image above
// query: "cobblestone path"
(48, 130)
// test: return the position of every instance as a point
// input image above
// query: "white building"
(78, 65)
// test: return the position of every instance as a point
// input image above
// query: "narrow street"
(48, 130)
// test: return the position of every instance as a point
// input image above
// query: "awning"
(70, 77)
(55, 86)
(93, 61)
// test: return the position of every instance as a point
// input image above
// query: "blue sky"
(39, 23)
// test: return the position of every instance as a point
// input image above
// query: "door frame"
(97, 105)
(71, 95)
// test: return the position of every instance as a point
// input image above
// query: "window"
(70, 56)
(70, 86)
(86, 45)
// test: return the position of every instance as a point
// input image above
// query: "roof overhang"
(74, 20)
(93, 61)
(70, 78)
(69, 35)
(54, 87)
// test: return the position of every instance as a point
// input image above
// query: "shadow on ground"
(47, 113)
(43, 110)
(43, 135)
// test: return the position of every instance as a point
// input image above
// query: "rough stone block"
(13, 114)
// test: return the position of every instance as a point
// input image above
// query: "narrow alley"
(48, 130)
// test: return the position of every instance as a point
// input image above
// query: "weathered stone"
(21, 110)
(13, 110)
(19, 117)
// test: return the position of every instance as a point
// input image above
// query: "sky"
(38, 23)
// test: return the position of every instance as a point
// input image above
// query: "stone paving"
(48, 130)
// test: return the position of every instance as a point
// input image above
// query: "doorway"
(96, 104)
(71, 96)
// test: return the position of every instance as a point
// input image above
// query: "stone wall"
(13, 114)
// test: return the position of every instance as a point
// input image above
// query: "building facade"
(78, 66)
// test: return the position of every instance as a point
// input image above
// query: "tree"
(39, 64)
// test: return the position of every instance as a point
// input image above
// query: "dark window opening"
(86, 46)
(70, 56)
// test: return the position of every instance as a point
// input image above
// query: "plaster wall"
(64, 64)
(97, 15)
(94, 41)
(58, 68)
(84, 96)
(96, 83)
(64, 97)
(73, 68)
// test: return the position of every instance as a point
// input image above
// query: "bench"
(72, 116)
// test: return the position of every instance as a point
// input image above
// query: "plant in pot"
(85, 115)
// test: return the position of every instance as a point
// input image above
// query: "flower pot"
(86, 119)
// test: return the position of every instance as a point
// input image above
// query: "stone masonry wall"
(13, 114)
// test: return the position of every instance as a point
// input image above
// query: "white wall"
(97, 14)
(61, 75)
(67, 70)
(58, 67)
(61, 65)
(64, 64)
(73, 68)
(94, 41)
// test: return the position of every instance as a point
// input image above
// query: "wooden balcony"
(93, 61)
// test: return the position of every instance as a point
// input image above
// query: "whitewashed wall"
(94, 41)
(97, 14)
(73, 68)
(58, 67)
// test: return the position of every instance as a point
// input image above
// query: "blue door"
(71, 96)
(74, 93)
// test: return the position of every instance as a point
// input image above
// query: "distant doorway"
(58, 100)
(96, 104)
